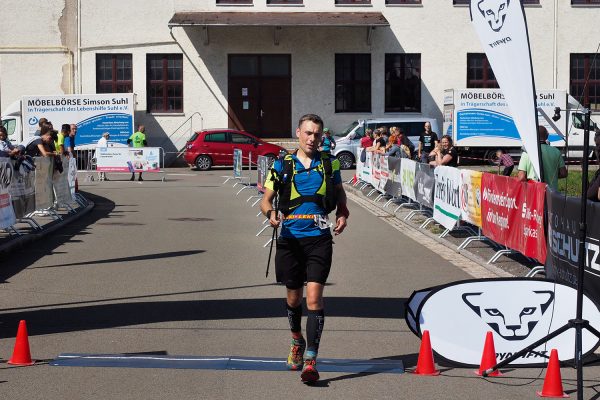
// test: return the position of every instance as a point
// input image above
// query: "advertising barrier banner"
(60, 181)
(446, 210)
(367, 169)
(72, 177)
(128, 159)
(263, 170)
(384, 172)
(407, 172)
(513, 214)
(7, 214)
(44, 193)
(375, 170)
(562, 262)
(424, 184)
(238, 163)
(393, 186)
(470, 196)
(524, 310)
(22, 192)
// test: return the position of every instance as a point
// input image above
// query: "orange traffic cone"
(553, 382)
(21, 354)
(355, 179)
(425, 365)
(488, 358)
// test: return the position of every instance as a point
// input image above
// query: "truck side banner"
(483, 116)
(513, 214)
(408, 171)
(446, 210)
(518, 312)
(562, 262)
(93, 114)
(470, 196)
(424, 184)
(393, 186)
(502, 29)
(7, 214)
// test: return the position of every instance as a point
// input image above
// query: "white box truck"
(93, 114)
(479, 122)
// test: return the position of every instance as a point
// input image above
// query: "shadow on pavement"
(101, 316)
(20, 259)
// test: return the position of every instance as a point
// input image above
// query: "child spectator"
(505, 160)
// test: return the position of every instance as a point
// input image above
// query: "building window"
(113, 73)
(479, 72)
(352, 82)
(165, 82)
(585, 2)
(402, 1)
(234, 1)
(402, 82)
(277, 2)
(456, 2)
(582, 67)
(352, 2)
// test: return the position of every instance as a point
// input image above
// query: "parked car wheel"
(203, 163)
(346, 160)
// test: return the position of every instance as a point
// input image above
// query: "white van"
(348, 141)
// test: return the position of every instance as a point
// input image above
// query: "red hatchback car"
(215, 147)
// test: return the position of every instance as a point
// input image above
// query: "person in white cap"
(102, 142)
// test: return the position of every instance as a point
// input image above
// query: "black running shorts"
(303, 260)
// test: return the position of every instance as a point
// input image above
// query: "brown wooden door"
(259, 94)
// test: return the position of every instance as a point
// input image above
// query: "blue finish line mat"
(221, 363)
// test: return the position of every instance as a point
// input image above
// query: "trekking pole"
(273, 238)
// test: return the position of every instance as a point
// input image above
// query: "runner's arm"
(266, 205)
(341, 213)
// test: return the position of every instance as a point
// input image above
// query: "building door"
(259, 94)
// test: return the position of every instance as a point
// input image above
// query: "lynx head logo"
(509, 320)
(494, 12)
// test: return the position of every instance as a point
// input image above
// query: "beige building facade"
(259, 65)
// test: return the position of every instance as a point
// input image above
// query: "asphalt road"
(175, 268)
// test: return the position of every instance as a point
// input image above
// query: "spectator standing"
(41, 122)
(367, 141)
(6, 147)
(59, 143)
(553, 163)
(506, 161)
(138, 140)
(70, 140)
(102, 142)
(444, 153)
(427, 142)
(35, 146)
(328, 142)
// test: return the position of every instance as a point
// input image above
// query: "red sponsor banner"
(513, 214)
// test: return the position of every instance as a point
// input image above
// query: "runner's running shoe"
(309, 371)
(296, 356)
